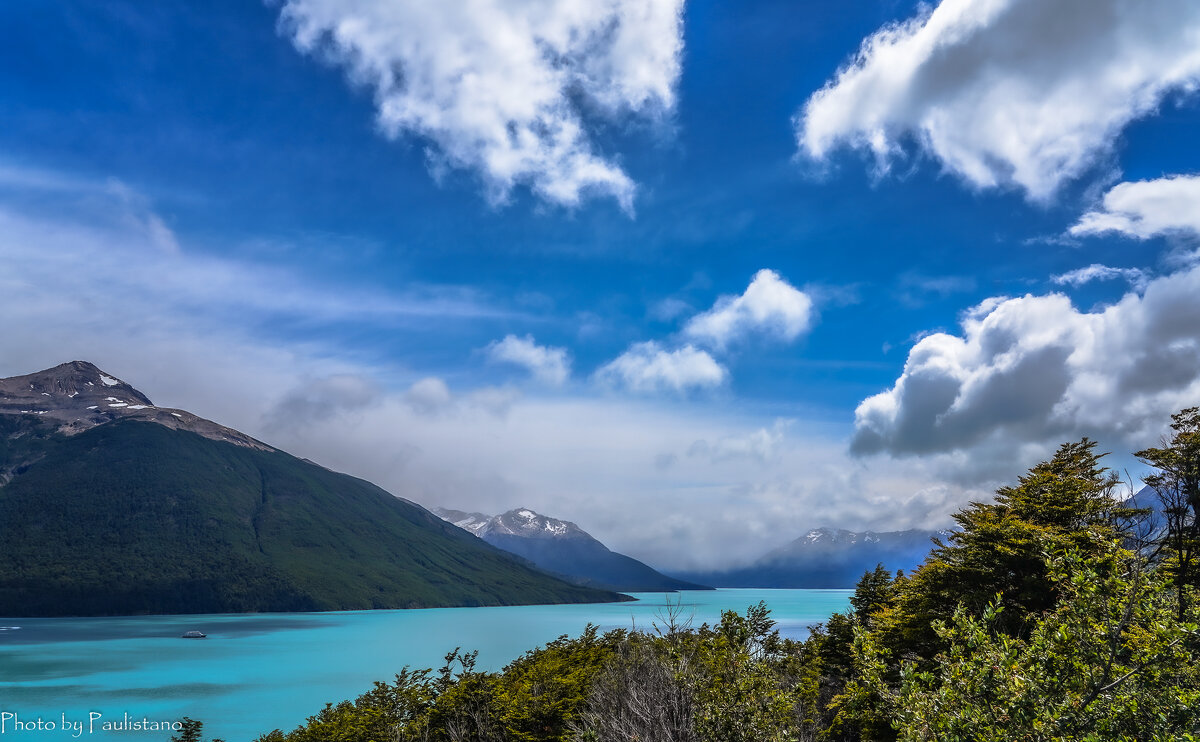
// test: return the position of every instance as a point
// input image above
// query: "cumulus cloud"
(647, 367)
(1020, 93)
(1146, 208)
(769, 305)
(1097, 272)
(1034, 370)
(505, 87)
(549, 365)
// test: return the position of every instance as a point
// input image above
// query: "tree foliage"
(132, 517)
(1110, 662)
(1177, 485)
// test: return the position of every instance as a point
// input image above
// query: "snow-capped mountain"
(833, 541)
(473, 522)
(519, 522)
(565, 549)
(78, 396)
(828, 558)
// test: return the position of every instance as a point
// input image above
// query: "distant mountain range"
(827, 558)
(834, 558)
(563, 548)
(110, 505)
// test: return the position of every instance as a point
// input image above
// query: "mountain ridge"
(133, 509)
(563, 548)
(78, 396)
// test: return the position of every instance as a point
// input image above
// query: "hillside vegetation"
(1051, 615)
(131, 517)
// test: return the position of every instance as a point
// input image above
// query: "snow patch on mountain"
(517, 522)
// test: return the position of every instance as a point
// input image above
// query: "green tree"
(541, 694)
(190, 730)
(736, 681)
(744, 685)
(1109, 662)
(1063, 503)
(830, 703)
(388, 711)
(1177, 485)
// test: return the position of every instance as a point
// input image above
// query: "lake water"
(256, 672)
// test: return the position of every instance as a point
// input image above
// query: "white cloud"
(1097, 272)
(646, 367)
(1146, 208)
(431, 397)
(1008, 92)
(1034, 370)
(137, 213)
(318, 400)
(548, 365)
(916, 289)
(504, 87)
(769, 305)
(130, 253)
(669, 309)
(428, 396)
(761, 445)
(496, 401)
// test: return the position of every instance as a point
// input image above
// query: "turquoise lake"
(257, 672)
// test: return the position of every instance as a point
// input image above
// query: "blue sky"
(661, 257)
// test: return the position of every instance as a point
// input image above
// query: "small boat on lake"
(194, 635)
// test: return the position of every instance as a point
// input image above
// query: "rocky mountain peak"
(77, 396)
(71, 380)
(516, 522)
(525, 522)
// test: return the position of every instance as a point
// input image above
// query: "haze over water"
(257, 672)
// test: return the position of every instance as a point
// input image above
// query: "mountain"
(110, 505)
(77, 396)
(828, 558)
(1152, 523)
(565, 549)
